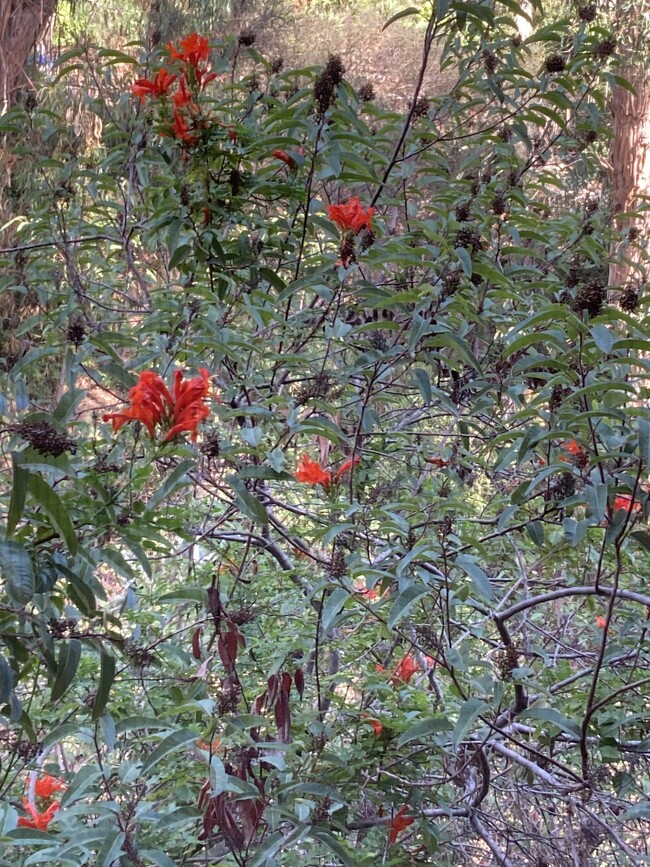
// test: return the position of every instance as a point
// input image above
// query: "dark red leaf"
(299, 680)
(258, 705)
(214, 606)
(196, 643)
(286, 682)
(273, 687)
(283, 717)
(227, 646)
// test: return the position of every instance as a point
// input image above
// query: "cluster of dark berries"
(446, 526)
(229, 697)
(558, 394)
(27, 750)
(554, 63)
(563, 487)
(366, 92)
(450, 283)
(426, 637)
(277, 65)
(575, 273)
(498, 204)
(590, 136)
(322, 812)
(506, 661)
(102, 466)
(366, 240)
(505, 134)
(138, 655)
(246, 38)
(591, 206)
(327, 82)
(64, 627)
(591, 297)
(45, 439)
(76, 331)
(587, 12)
(30, 101)
(605, 48)
(338, 568)
(320, 386)
(242, 616)
(629, 299)
(421, 107)
(463, 212)
(468, 237)
(210, 447)
(347, 251)
(490, 61)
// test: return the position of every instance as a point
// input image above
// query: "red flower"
(181, 129)
(437, 462)
(40, 821)
(601, 623)
(625, 502)
(47, 786)
(192, 50)
(153, 404)
(377, 727)
(285, 157)
(350, 464)
(405, 669)
(189, 408)
(312, 473)
(368, 592)
(143, 87)
(351, 216)
(398, 823)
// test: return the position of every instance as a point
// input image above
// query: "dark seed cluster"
(338, 568)
(366, 92)
(490, 61)
(605, 48)
(554, 63)
(468, 237)
(44, 438)
(327, 82)
(587, 12)
(591, 297)
(76, 331)
(246, 38)
(629, 299)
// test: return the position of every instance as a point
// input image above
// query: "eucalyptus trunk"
(21, 24)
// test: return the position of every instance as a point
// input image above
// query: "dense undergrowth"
(325, 452)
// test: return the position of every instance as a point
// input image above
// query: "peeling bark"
(630, 173)
(21, 23)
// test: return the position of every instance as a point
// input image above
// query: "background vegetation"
(389, 605)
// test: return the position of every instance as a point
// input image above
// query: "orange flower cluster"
(626, 503)
(186, 118)
(351, 216)
(313, 473)
(177, 412)
(44, 790)
(406, 668)
(399, 823)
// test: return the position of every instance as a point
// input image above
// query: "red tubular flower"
(601, 623)
(46, 786)
(626, 503)
(348, 465)
(377, 727)
(39, 821)
(285, 157)
(351, 216)
(188, 406)
(399, 822)
(144, 88)
(191, 50)
(181, 129)
(312, 473)
(405, 669)
(153, 404)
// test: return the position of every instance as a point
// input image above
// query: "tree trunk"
(21, 23)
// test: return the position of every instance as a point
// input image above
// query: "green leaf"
(16, 566)
(423, 729)
(644, 440)
(333, 604)
(6, 680)
(248, 504)
(68, 662)
(18, 494)
(53, 507)
(479, 579)
(549, 714)
(106, 677)
(172, 742)
(175, 480)
(469, 710)
(336, 847)
(111, 848)
(404, 602)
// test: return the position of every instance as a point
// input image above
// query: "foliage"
(389, 607)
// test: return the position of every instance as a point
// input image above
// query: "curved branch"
(586, 590)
